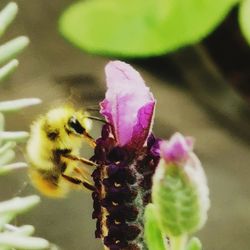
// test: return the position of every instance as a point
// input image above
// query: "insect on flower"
(53, 151)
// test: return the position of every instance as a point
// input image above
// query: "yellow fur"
(47, 188)
(51, 133)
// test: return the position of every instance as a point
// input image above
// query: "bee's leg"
(83, 171)
(90, 139)
(81, 159)
(78, 182)
(59, 154)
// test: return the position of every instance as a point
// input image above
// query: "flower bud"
(180, 191)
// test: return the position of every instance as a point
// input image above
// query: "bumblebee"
(53, 151)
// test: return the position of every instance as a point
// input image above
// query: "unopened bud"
(180, 191)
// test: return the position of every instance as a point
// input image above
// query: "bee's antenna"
(96, 118)
(93, 108)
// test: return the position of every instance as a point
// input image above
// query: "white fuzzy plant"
(13, 237)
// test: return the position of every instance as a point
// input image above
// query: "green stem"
(178, 243)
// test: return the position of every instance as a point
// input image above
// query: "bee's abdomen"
(48, 183)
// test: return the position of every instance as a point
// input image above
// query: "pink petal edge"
(143, 126)
(177, 149)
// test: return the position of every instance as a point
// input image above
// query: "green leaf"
(153, 235)
(7, 157)
(10, 167)
(7, 69)
(15, 105)
(244, 19)
(22, 242)
(10, 49)
(6, 147)
(19, 136)
(1, 122)
(5, 218)
(18, 205)
(136, 28)
(194, 244)
(25, 230)
(7, 15)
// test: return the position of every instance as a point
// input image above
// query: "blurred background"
(201, 90)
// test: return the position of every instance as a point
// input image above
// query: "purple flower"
(127, 154)
(128, 105)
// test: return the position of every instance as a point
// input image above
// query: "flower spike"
(127, 155)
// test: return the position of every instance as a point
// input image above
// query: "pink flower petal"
(141, 128)
(177, 149)
(128, 104)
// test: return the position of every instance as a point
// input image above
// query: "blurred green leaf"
(7, 69)
(1, 122)
(7, 15)
(25, 230)
(136, 28)
(12, 237)
(7, 146)
(15, 105)
(153, 235)
(19, 205)
(244, 19)
(12, 48)
(7, 157)
(19, 136)
(22, 242)
(5, 218)
(10, 167)
(194, 244)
